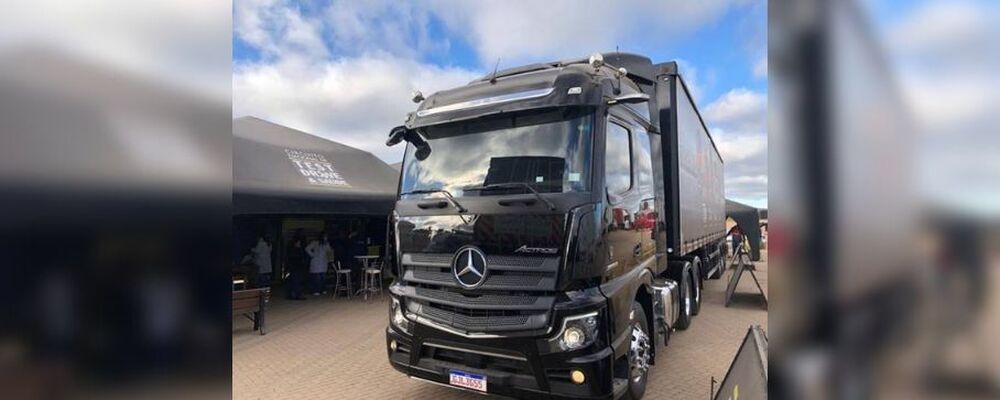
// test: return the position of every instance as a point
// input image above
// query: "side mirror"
(400, 133)
(631, 98)
(396, 135)
(423, 151)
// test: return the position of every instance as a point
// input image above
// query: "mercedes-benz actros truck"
(554, 225)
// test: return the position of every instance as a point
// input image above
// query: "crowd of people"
(308, 258)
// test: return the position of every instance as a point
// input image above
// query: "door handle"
(506, 203)
(637, 250)
(432, 204)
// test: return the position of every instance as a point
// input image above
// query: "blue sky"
(344, 70)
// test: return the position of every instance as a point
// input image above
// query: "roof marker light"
(596, 60)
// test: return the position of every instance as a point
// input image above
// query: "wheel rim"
(687, 304)
(639, 351)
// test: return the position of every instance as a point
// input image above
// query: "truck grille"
(517, 294)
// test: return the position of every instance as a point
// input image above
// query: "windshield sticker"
(315, 168)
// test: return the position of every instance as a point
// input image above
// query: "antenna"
(618, 90)
(493, 77)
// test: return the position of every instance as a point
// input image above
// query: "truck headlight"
(578, 331)
(398, 319)
(574, 337)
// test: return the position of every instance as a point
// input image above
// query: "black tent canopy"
(748, 219)
(280, 170)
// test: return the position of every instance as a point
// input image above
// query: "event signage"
(315, 168)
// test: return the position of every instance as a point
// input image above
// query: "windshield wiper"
(446, 194)
(508, 185)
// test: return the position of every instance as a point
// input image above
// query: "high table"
(366, 262)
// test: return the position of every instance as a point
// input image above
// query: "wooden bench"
(252, 303)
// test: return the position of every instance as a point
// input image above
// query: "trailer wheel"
(696, 286)
(684, 319)
(640, 352)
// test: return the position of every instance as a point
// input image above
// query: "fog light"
(392, 345)
(577, 376)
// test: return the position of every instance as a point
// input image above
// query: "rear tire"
(640, 352)
(696, 286)
(684, 319)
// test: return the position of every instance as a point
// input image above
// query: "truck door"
(647, 195)
(621, 215)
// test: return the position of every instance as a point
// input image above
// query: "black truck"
(555, 223)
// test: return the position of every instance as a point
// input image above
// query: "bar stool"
(343, 281)
(373, 279)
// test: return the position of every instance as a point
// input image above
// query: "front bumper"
(514, 366)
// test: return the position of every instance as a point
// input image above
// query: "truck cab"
(536, 241)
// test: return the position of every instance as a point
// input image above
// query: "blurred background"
(115, 185)
(884, 199)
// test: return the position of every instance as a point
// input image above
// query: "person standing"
(297, 263)
(737, 239)
(319, 251)
(262, 258)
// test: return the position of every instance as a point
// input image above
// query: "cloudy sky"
(946, 56)
(344, 69)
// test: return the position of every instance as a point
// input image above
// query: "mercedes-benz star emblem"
(469, 267)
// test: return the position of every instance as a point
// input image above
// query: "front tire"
(640, 353)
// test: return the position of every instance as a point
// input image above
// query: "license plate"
(468, 381)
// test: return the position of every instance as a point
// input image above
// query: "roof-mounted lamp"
(596, 60)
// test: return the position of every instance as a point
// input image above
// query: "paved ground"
(323, 348)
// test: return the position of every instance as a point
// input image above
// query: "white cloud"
(948, 64)
(753, 179)
(400, 28)
(694, 80)
(519, 31)
(947, 58)
(956, 28)
(353, 101)
(356, 97)
(739, 147)
(738, 120)
(278, 29)
(145, 38)
(740, 109)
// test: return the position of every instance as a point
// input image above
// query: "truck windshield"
(550, 151)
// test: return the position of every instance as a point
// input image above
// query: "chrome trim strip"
(437, 326)
(485, 353)
(450, 386)
(504, 98)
